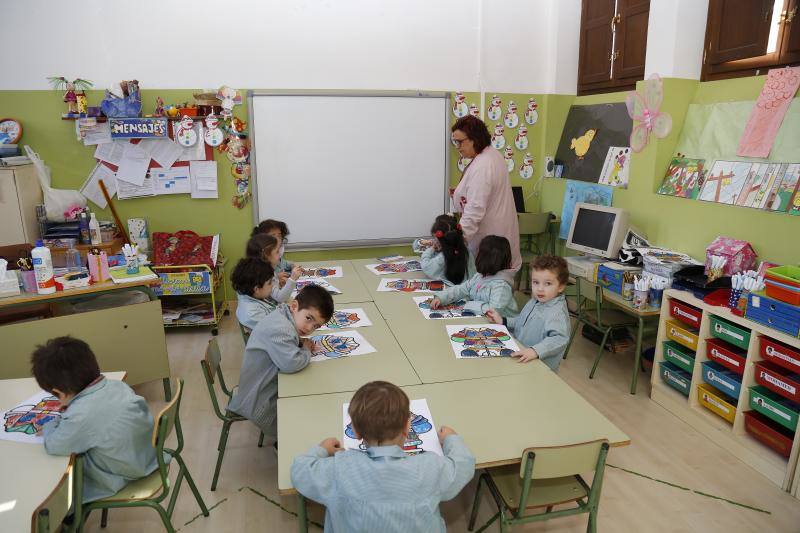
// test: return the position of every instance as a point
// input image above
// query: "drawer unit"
(681, 334)
(780, 354)
(774, 313)
(784, 412)
(679, 355)
(722, 329)
(716, 402)
(719, 377)
(778, 379)
(768, 432)
(676, 378)
(685, 313)
(726, 354)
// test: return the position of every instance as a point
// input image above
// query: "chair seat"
(141, 489)
(543, 492)
(610, 317)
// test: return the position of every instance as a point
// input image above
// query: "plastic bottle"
(43, 268)
(94, 231)
(72, 259)
(84, 228)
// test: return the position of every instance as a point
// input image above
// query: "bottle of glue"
(43, 269)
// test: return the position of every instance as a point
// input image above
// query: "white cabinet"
(20, 192)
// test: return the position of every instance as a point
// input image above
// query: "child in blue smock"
(252, 279)
(543, 325)
(448, 259)
(382, 488)
(101, 418)
(266, 248)
(487, 289)
(280, 231)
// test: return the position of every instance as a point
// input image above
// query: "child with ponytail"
(448, 259)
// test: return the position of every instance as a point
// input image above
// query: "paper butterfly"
(646, 110)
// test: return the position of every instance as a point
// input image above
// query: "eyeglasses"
(457, 142)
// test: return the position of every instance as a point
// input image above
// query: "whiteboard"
(350, 169)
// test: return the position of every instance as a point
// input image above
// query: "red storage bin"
(783, 292)
(726, 354)
(779, 353)
(768, 432)
(685, 313)
(779, 380)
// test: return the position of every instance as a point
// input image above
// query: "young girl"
(486, 289)
(252, 279)
(265, 247)
(280, 231)
(448, 259)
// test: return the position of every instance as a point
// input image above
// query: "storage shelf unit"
(732, 437)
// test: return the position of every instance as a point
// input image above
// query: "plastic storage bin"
(719, 377)
(780, 354)
(784, 412)
(768, 432)
(788, 274)
(736, 335)
(685, 313)
(681, 334)
(676, 378)
(679, 355)
(774, 313)
(778, 379)
(726, 354)
(783, 292)
(716, 402)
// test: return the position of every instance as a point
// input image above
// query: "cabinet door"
(630, 43)
(29, 194)
(594, 63)
(790, 45)
(739, 29)
(10, 216)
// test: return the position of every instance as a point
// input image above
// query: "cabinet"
(20, 193)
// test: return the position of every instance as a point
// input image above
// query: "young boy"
(543, 324)
(382, 488)
(252, 281)
(274, 346)
(102, 418)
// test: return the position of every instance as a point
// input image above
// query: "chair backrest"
(166, 419)
(533, 223)
(561, 461)
(211, 367)
(213, 358)
(49, 515)
(245, 333)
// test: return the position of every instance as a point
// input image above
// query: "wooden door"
(594, 61)
(11, 231)
(790, 42)
(630, 45)
(738, 29)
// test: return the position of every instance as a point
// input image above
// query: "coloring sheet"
(335, 345)
(347, 318)
(423, 437)
(684, 178)
(754, 189)
(724, 181)
(410, 285)
(481, 340)
(616, 167)
(321, 272)
(412, 265)
(314, 281)
(780, 197)
(453, 310)
(21, 423)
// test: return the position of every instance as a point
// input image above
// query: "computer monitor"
(598, 230)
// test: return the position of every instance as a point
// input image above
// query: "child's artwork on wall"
(532, 112)
(498, 138)
(23, 422)
(724, 181)
(335, 345)
(616, 167)
(321, 272)
(590, 130)
(508, 155)
(396, 267)
(785, 188)
(422, 438)
(481, 340)
(521, 140)
(410, 285)
(577, 191)
(754, 190)
(511, 119)
(645, 109)
(347, 318)
(314, 281)
(453, 310)
(526, 168)
(493, 112)
(460, 106)
(684, 178)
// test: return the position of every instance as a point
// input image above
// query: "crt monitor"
(598, 230)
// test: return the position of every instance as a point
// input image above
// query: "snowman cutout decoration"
(531, 114)
(460, 108)
(463, 162)
(494, 108)
(508, 155)
(526, 169)
(474, 111)
(186, 136)
(213, 135)
(521, 140)
(511, 118)
(498, 141)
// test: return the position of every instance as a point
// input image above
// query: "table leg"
(167, 390)
(638, 353)
(302, 519)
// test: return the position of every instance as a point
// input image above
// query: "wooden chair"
(51, 513)
(548, 476)
(151, 490)
(530, 225)
(211, 366)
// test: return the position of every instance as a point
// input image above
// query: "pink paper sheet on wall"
(767, 115)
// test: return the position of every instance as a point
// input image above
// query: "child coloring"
(253, 279)
(266, 248)
(280, 231)
(448, 259)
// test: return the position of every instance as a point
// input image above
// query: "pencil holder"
(28, 280)
(733, 299)
(655, 296)
(132, 264)
(627, 290)
(640, 299)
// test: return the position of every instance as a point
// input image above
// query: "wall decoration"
(784, 190)
(577, 191)
(494, 111)
(410, 285)
(511, 119)
(582, 144)
(684, 178)
(347, 318)
(453, 310)
(724, 181)
(755, 188)
(521, 140)
(460, 108)
(498, 139)
(532, 113)
(768, 113)
(646, 109)
(508, 155)
(481, 340)
(422, 437)
(334, 346)
(185, 135)
(138, 128)
(24, 422)
(474, 110)
(229, 98)
(72, 89)
(213, 135)
(526, 169)
(412, 265)
(616, 167)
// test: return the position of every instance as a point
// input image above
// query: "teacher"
(483, 195)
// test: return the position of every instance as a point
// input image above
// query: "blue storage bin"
(722, 379)
(774, 313)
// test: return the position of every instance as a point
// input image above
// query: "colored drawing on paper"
(752, 193)
(784, 189)
(314, 281)
(684, 178)
(421, 438)
(410, 285)
(333, 346)
(321, 272)
(347, 318)
(478, 341)
(577, 191)
(453, 310)
(396, 267)
(23, 422)
(724, 181)
(617, 167)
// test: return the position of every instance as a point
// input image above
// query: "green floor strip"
(201, 514)
(690, 490)
(278, 505)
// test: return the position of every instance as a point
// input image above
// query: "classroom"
(362, 266)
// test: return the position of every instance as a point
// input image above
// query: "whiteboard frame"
(364, 243)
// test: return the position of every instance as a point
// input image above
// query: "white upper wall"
(676, 31)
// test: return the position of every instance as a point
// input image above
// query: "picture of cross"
(723, 179)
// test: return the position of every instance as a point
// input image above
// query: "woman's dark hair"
(475, 130)
(251, 272)
(64, 363)
(260, 246)
(266, 225)
(494, 255)
(448, 232)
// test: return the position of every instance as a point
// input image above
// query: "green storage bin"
(774, 407)
(675, 377)
(679, 355)
(722, 329)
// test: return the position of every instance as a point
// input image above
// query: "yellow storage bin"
(681, 334)
(716, 402)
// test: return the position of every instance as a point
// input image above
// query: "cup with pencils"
(131, 253)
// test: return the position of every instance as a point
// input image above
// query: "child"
(252, 279)
(274, 346)
(101, 418)
(382, 488)
(265, 247)
(448, 259)
(543, 325)
(487, 289)
(280, 231)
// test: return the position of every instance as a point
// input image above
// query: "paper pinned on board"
(134, 164)
(174, 180)
(204, 179)
(98, 134)
(111, 152)
(127, 190)
(91, 187)
(162, 151)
